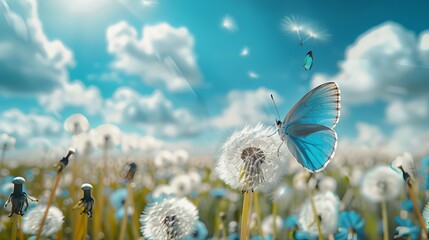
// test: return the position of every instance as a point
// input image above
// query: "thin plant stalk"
(135, 223)
(217, 218)
(417, 210)
(258, 215)
(275, 209)
(84, 226)
(49, 203)
(20, 233)
(245, 214)
(99, 210)
(14, 226)
(125, 217)
(316, 215)
(385, 222)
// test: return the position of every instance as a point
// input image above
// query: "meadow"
(354, 201)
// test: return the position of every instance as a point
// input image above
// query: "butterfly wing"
(308, 127)
(312, 145)
(319, 106)
(308, 62)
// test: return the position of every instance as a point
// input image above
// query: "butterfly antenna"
(272, 98)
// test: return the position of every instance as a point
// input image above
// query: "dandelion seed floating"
(293, 25)
(228, 23)
(86, 202)
(18, 198)
(172, 218)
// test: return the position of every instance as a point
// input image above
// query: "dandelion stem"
(275, 208)
(316, 215)
(217, 219)
(14, 226)
(385, 223)
(49, 203)
(417, 209)
(245, 214)
(20, 233)
(98, 212)
(84, 226)
(258, 215)
(125, 217)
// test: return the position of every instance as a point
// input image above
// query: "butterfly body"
(307, 129)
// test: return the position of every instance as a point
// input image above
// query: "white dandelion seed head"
(171, 218)
(327, 207)
(404, 161)
(196, 180)
(229, 24)
(164, 158)
(76, 123)
(380, 184)
(181, 185)
(300, 180)
(182, 156)
(54, 220)
(250, 161)
(107, 136)
(7, 142)
(268, 223)
(83, 143)
(327, 184)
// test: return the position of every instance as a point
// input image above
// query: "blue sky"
(171, 71)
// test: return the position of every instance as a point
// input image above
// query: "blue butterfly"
(308, 127)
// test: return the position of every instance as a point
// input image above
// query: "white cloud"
(385, 56)
(424, 46)
(408, 112)
(163, 56)
(28, 127)
(29, 62)
(73, 94)
(247, 107)
(155, 113)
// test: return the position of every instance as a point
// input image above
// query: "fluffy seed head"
(381, 183)
(54, 220)
(171, 218)
(250, 161)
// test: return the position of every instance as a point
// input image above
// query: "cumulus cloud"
(29, 128)
(162, 56)
(247, 107)
(155, 113)
(30, 63)
(387, 66)
(74, 94)
(385, 57)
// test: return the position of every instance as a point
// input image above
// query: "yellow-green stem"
(245, 214)
(48, 204)
(135, 222)
(258, 215)
(84, 226)
(98, 211)
(316, 215)
(275, 208)
(20, 233)
(417, 210)
(217, 218)
(14, 226)
(385, 221)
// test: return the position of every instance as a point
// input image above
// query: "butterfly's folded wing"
(319, 106)
(312, 145)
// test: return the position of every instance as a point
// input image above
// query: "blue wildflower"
(290, 221)
(407, 205)
(233, 236)
(218, 192)
(200, 232)
(301, 235)
(406, 229)
(118, 198)
(350, 226)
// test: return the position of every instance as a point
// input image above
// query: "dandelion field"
(165, 120)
